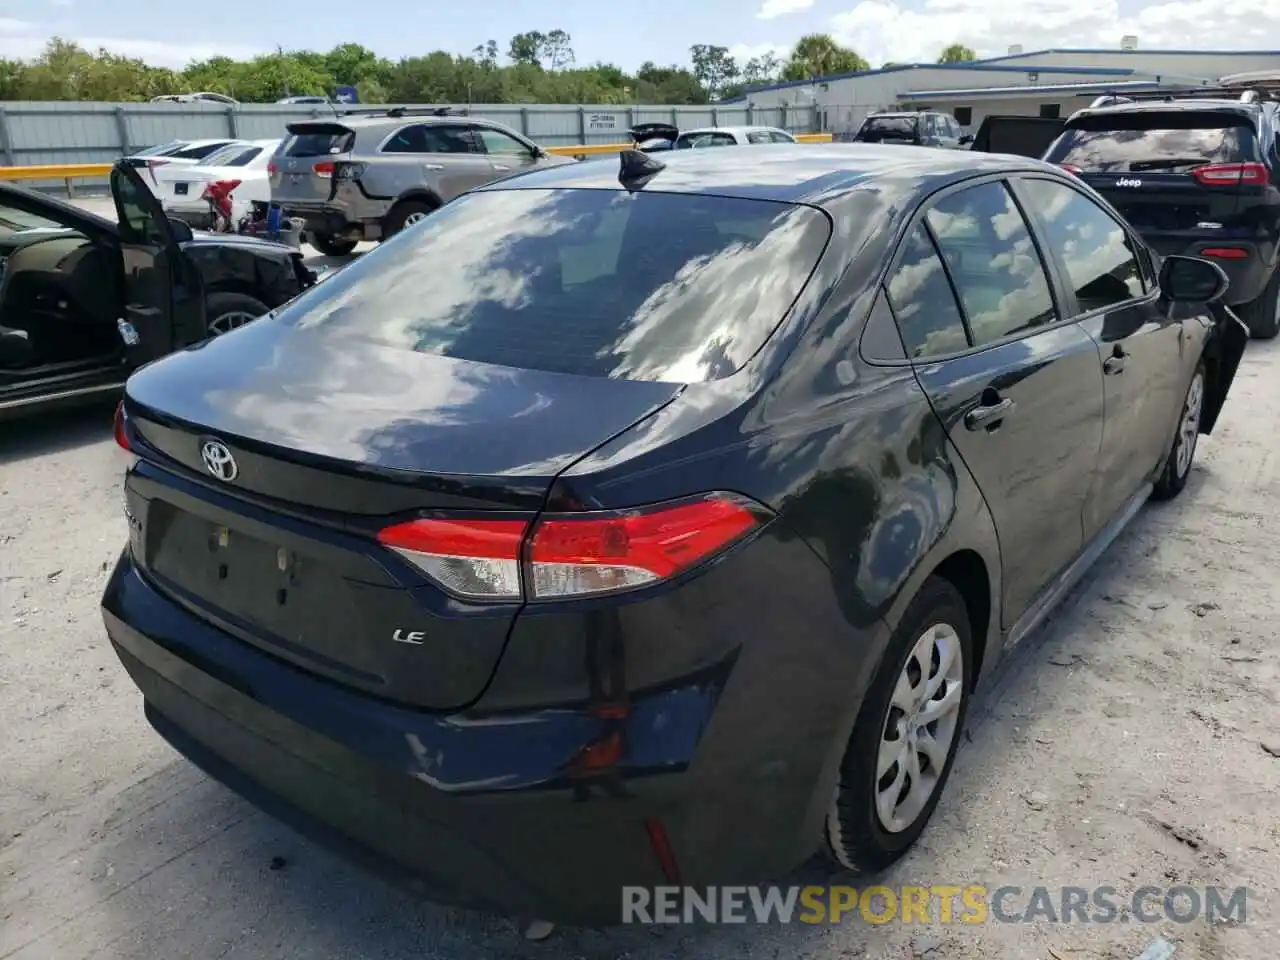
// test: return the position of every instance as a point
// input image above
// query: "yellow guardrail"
(68, 172)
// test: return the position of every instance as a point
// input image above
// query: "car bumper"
(338, 220)
(731, 765)
(1248, 274)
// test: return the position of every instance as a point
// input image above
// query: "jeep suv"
(923, 128)
(1194, 176)
(362, 176)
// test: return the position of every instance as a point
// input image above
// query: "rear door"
(164, 296)
(302, 169)
(1178, 176)
(446, 157)
(1018, 388)
(1111, 291)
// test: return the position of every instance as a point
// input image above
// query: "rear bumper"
(339, 220)
(1248, 274)
(485, 810)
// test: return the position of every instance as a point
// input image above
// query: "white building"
(1046, 83)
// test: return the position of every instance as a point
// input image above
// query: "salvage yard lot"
(1132, 743)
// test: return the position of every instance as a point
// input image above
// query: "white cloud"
(883, 30)
(22, 39)
(780, 8)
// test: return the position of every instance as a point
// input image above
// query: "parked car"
(1020, 136)
(85, 300)
(306, 99)
(614, 528)
(202, 96)
(175, 153)
(654, 137)
(1195, 176)
(366, 176)
(242, 166)
(924, 128)
(730, 137)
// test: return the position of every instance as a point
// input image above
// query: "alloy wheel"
(920, 727)
(231, 320)
(416, 217)
(1189, 427)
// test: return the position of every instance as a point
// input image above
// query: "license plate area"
(180, 189)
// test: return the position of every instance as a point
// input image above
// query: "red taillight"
(1071, 168)
(323, 168)
(1225, 253)
(122, 427)
(572, 555)
(1231, 174)
(272, 169)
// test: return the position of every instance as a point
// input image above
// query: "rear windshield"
(234, 156)
(878, 128)
(645, 286)
(317, 140)
(162, 149)
(197, 153)
(1154, 141)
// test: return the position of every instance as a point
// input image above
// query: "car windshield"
(1172, 142)
(645, 286)
(889, 128)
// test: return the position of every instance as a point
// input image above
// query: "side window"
(136, 212)
(997, 271)
(451, 138)
(759, 136)
(408, 140)
(880, 337)
(780, 137)
(964, 116)
(498, 143)
(1101, 263)
(922, 300)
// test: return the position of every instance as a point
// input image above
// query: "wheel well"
(232, 285)
(421, 196)
(966, 571)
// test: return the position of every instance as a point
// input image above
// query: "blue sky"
(627, 33)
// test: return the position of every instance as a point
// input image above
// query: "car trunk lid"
(1174, 175)
(302, 170)
(332, 445)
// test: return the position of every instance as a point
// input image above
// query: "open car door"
(164, 296)
(1019, 136)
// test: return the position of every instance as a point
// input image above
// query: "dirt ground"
(1135, 741)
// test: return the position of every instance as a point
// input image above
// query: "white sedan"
(243, 165)
(175, 152)
(731, 137)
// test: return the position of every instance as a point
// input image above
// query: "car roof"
(382, 119)
(1174, 106)
(733, 129)
(891, 114)
(800, 173)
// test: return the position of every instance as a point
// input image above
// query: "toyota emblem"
(219, 461)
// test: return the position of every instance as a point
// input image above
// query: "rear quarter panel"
(261, 273)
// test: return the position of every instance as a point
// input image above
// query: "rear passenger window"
(997, 271)
(407, 140)
(1100, 260)
(922, 302)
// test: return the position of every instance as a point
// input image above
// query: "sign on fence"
(606, 122)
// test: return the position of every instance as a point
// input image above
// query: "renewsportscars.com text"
(940, 903)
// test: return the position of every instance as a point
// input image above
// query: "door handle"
(988, 415)
(1114, 363)
(501, 166)
(433, 166)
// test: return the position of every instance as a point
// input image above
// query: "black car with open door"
(84, 300)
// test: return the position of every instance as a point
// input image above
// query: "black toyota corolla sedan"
(651, 522)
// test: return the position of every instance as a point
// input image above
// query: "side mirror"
(966, 138)
(181, 230)
(1191, 280)
(15, 348)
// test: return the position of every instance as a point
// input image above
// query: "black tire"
(1177, 468)
(857, 837)
(399, 215)
(1262, 315)
(330, 245)
(224, 311)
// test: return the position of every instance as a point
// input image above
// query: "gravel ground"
(1126, 744)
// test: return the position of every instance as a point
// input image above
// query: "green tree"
(957, 53)
(713, 67)
(527, 48)
(818, 55)
(557, 50)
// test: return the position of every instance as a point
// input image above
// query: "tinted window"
(161, 150)
(319, 140)
(200, 152)
(645, 286)
(1100, 261)
(407, 140)
(1159, 141)
(237, 156)
(923, 302)
(449, 139)
(889, 128)
(993, 261)
(759, 136)
(495, 141)
(690, 140)
(780, 136)
(964, 115)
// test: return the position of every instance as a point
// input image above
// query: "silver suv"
(365, 176)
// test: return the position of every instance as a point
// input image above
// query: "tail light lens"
(122, 428)
(272, 168)
(573, 555)
(1225, 253)
(1071, 168)
(1231, 174)
(323, 168)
